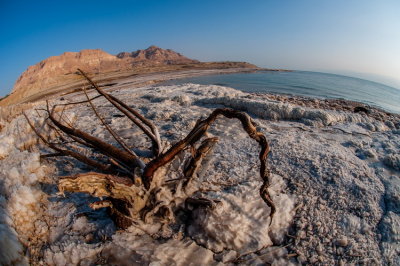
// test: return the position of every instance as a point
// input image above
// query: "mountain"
(59, 72)
(155, 55)
(52, 71)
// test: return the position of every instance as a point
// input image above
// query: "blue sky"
(354, 37)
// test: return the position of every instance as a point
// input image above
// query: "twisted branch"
(198, 131)
(130, 196)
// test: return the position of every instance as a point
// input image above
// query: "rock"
(392, 194)
(89, 238)
(392, 161)
(363, 109)
(302, 234)
(183, 100)
(319, 249)
(390, 124)
(369, 153)
(225, 256)
(342, 242)
(390, 230)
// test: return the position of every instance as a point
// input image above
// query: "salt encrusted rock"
(390, 228)
(241, 213)
(11, 250)
(393, 161)
(183, 100)
(370, 153)
(226, 255)
(6, 145)
(19, 174)
(390, 124)
(392, 194)
(283, 111)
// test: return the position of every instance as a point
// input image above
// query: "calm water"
(306, 83)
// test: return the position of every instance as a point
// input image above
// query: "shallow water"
(311, 84)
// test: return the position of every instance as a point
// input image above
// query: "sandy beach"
(334, 179)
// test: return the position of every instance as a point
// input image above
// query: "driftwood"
(134, 188)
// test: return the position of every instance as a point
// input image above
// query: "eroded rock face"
(57, 70)
(155, 55)
(54, 69)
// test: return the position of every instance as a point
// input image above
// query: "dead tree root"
(132, 189)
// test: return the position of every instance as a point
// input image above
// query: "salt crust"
(241, 222)
(28, 218)
(20, 172)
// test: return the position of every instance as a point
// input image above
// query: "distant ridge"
(155, 55)
(52, 70)
(60, 70)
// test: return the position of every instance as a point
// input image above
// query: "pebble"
(319, 250)
(314, 259)
(89, 238)
(299, 224)
(301, 258)
(302, 234)
(343, 241)
(339, 251)
(225, 256)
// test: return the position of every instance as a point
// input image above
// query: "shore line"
(132, 78)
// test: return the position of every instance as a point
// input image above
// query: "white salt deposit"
(335, 182)
(241, 221)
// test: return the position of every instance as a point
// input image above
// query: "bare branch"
(109, 129)
(102, 146)
(199, 130)
(79, 157)
(56, 154)
(198, 156)
(148, 123)
(80, 102)
(61, 136)
(133, 115)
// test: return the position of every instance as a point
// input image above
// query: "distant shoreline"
(120, 81)
(138, 78)
(313, 102)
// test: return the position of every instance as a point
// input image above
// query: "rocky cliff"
(154, 55)
(58, 73)
(55, 70)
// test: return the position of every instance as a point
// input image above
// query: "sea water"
(310, 84)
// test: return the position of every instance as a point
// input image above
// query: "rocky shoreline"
(335, 104)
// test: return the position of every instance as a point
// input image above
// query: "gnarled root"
(132, 189)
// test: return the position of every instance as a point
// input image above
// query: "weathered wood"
(132, 114)
(139, 192)
(199, 130)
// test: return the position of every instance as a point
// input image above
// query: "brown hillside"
(59, 71)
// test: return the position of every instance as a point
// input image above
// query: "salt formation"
(21, 209)
(335, 182)
(241, 222)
